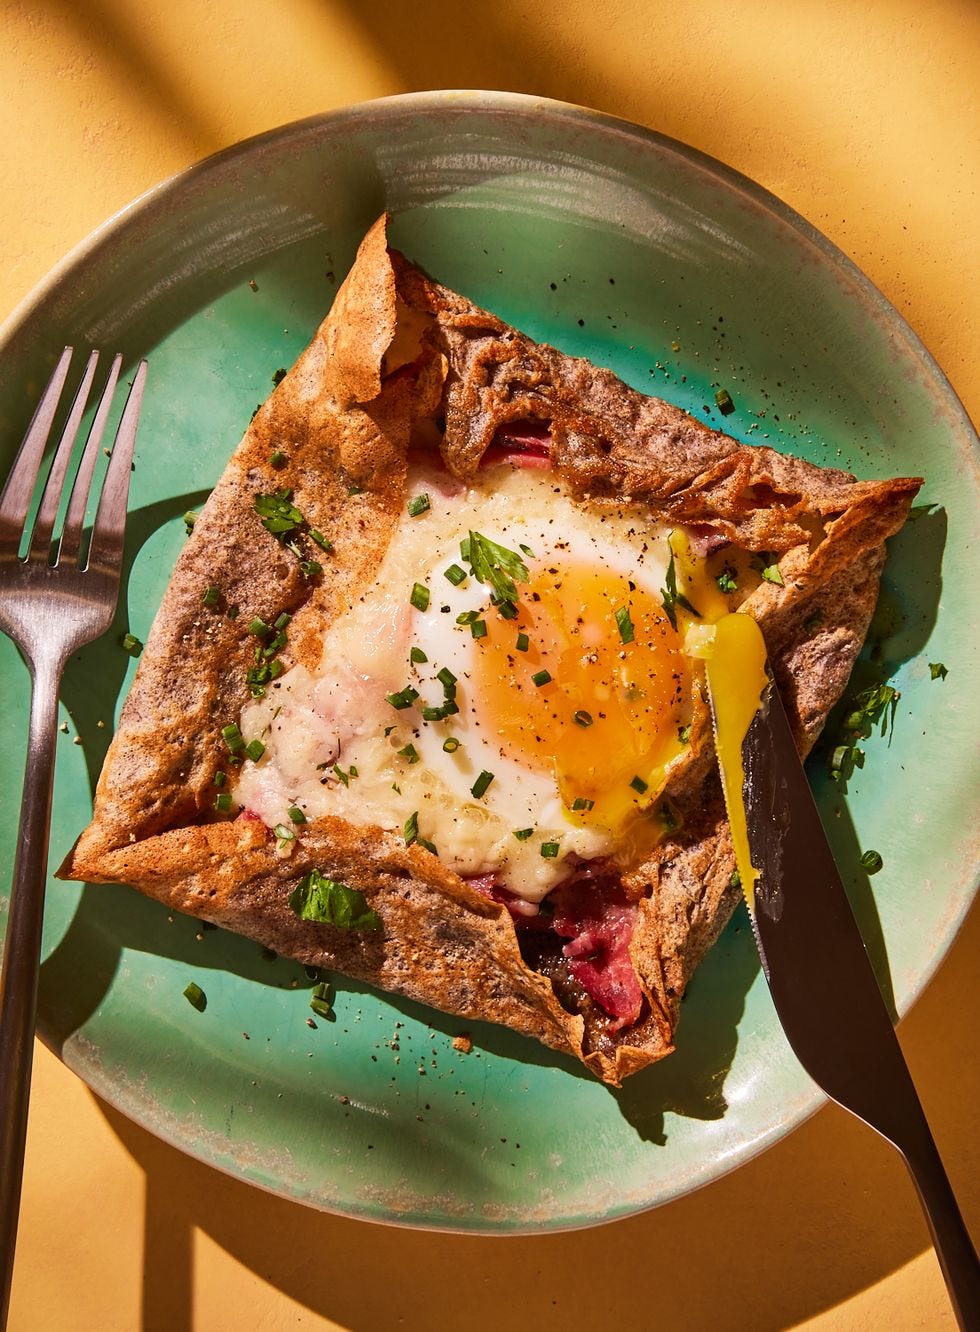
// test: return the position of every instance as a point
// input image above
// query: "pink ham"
(521, 443)
(598, 922)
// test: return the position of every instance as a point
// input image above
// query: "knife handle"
(954, 1248)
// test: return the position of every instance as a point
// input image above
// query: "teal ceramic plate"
(612, 242)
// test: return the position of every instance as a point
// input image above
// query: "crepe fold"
(345, 417)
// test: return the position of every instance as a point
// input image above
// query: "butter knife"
(821, 979)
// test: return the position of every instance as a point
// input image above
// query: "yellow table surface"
(866, 119)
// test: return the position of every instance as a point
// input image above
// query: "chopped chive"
(278, 459)
(467, 617)
(455, 574)
(416, 656)
(430, 712)
(283, 834)
(735, 881)
(624, 624)
(274, 645)
(320, 1000)
(724, 400)
(254, 750)
(507, 610)
(527, 550)
(872, 861)
(450, 744)
(211, 595)
(411, 830)
(222, 802)
(355, 490)
(233, 738)
(684, 734)
(196, 997)
(320, 540)
(581, 803)
(341, 776)
(420, 597)
(190, 518)
(275, 668)
(448, 681)
(219, 778)
(403, 699)
(296, 814)
(410, 753)
(479, 787)
(131, 644)
(550, 850)
(478, 628)
(771, 574)
(727, 580)
(541, 678)
(428, 846)
(523, 643)
(522, 834)
(418, 504)
(258, 627)
(282, 621)
(233, 612)
(638, 784)
(582, 718)
(310, 568)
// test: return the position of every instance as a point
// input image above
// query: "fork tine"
(109, 530)
(53, 486)
(23, 475)
(71, 537)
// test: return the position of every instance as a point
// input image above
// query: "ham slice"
(598, 921)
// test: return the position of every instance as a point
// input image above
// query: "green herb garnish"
(328, 902)
(196, 997)
(727, 580)
(581, 803)
(222, 802)
(320, 1000)
(233, 738)
(523, 643)
(523, 834)
(416, 656)
(582, 718)
(724, 400)
(669, 595)
(479, 787)
(478, 628)
(279, 515)
(541, 678)
(254, 750)
(278, 459)
(624, 624)
(131, 644)
(420, 596)
(494, 565)
(872, 862)
(638, 784)
(411, 753)
(937, 670)
(296, 814)
(455, 574)
(550, 850)
(403, 699)
(211, 595)
(418, 504)
(450, 744)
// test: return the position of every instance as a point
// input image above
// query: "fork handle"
(18, 982)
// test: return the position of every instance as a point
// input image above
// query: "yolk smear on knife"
(736, 667)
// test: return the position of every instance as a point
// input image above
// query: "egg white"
(338, 715)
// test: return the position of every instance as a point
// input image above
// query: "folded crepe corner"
(347, 423)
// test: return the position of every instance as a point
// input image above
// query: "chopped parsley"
(494, 565)
(328, 902)
(624, 624)
(727, 580)
(873, 706)
(669, 595)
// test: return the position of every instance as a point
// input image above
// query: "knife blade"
(821, 979)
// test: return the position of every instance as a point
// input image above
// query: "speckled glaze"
(612, 242)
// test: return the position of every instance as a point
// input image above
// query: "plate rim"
(556, 112)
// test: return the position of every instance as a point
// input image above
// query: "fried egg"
(513, 723)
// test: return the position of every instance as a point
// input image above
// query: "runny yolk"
(607, 721)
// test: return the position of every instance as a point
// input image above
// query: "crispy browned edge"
(343, 426)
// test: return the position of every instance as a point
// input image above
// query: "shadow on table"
(821, 1216)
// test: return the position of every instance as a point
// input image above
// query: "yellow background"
(865, 118)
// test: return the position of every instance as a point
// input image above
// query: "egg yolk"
(599, 694)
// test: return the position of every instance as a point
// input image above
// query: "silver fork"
(52, 602)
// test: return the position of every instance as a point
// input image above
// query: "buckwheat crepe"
(347, 415)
